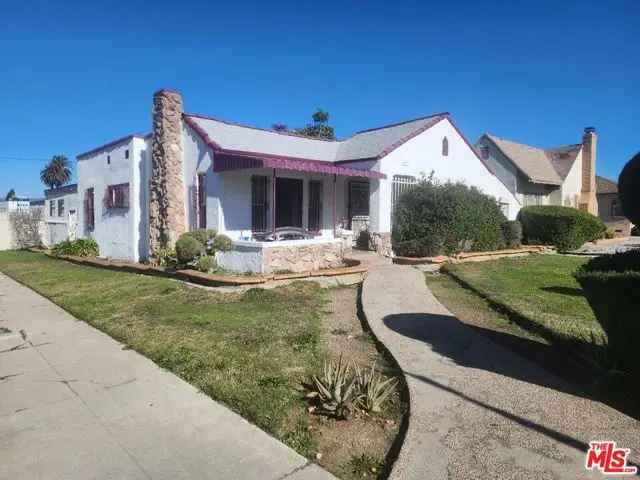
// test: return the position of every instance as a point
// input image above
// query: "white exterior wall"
(119, 232)
(572, 185)
(61, 228)
(423, 154)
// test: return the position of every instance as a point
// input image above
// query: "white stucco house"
(141, 192)
(61, 213)
(564, 175)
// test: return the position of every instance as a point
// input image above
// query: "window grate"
(259, 203)
(400, 184)
(315, 205)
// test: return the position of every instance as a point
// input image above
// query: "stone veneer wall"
(303, 258)
(166, 189)
(381, 243)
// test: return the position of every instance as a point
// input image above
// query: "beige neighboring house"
(609, 207)
(563, 175)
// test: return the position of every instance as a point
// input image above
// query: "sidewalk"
(477, 410)
(75, 405)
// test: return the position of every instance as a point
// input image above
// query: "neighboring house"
(554, 176)
(18, 203)
(609, 207)
(60, 213)
(193, 171)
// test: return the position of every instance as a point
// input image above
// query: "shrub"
(629, 189)
(609, 233)
(204, 236)
(164, 257)
(207, 263)
(373, 388)
(512, 234)
(335, 389)
(433, 218)
(188, 248)
(611, 284)
(565, 227)
(222, 243)
(81, 247)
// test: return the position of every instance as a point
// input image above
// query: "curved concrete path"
(75, 405)
(477, 410)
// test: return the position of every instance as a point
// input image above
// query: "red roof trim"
(111, 144)
(226, 160)
(240, 159)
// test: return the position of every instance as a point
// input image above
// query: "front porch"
(289, 215)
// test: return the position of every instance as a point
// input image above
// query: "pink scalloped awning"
(232, 160)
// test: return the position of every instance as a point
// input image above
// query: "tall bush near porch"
(434, 218)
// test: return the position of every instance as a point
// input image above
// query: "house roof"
(64, 190)
(604, 185)
(366, 144)
(546, 166)
(112, 144)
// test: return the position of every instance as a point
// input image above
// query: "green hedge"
(433, 218)
(565, 227)
(611, 284)
(82, 247)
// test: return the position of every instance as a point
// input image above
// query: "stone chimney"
(588, 201)
(166, 186)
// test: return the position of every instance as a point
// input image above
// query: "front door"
(288, 202)
(358, 199)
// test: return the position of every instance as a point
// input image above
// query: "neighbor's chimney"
(166, 186)
(588, 201)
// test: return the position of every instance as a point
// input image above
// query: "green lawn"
(539, 288)
(251, 351)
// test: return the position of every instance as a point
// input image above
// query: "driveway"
(74, 404)
(478, 410)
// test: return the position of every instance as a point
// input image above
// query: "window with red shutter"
(117, 196)
(89, 216)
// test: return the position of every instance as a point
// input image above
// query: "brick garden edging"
(207, 279)
(473, 256)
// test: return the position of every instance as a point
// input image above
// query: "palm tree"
(57, 172)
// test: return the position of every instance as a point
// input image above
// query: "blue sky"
(74, 75)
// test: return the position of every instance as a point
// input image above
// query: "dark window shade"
(315, 206)
(202, 201)
(259, 203)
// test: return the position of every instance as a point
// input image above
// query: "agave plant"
(336, 388)
(373, 389)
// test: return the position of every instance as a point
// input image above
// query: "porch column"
(273, 202)
(333, 204)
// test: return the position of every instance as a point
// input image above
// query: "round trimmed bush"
(188, 248)
(611, 284)
(565, 227)
(222, 243)
(629, 189)
(433, 218)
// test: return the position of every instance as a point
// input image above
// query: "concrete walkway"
(477, 410)
(75, 405)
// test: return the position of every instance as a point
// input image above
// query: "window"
(533, 199)
(504, 207)
(616, 210)
(61, 207)
(117, 196)
(315, 205)
(445, 147)
(89, 217)
(108, 159)
(259, 203)
(399, 185)
(52, 208)
(126, 153)
(201, 206)
(484, 152)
